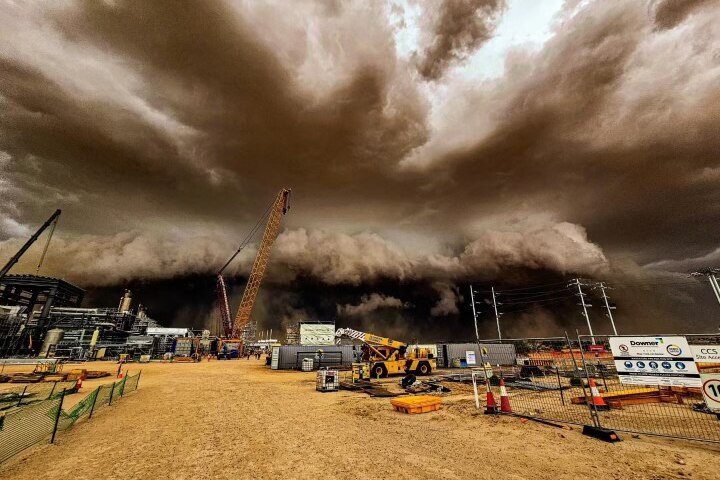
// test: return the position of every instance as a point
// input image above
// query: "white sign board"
(470, 357)
(665, 361)
(711, 390)
(706, 353)
(275, 358)
(317, 334)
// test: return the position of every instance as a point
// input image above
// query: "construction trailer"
(454, 355)
(290, 357)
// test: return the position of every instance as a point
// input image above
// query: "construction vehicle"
(233, 329)
(389, 357)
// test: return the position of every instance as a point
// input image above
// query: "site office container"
(290, 357)
(497, 353)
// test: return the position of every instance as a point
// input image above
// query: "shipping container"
(290, 357)
(497, 353)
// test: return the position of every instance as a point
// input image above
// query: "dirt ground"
(238, 419)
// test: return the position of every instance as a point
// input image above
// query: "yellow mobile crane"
(387, 356)
(234, 329)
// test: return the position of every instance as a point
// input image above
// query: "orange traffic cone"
(120, 374)
(597, 400)
(504, 399)
(490, 407)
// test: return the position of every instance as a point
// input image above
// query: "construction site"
(407, 239)
(448, 407)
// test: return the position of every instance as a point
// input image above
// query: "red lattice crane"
(233, 328)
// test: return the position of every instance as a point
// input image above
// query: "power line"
(534, 287)
(538, 301)
(531, 295)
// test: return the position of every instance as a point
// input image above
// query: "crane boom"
(279, 208)
(224, 305)
(28, 244)
(368, 338)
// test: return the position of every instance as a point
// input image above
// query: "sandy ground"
(238, 419)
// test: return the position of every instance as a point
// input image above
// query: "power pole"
(472, 302)
(602, 287)
(712, 278)
(497, 315)
(584, 306)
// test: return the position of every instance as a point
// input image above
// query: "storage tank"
(52, 338)
(125, 302)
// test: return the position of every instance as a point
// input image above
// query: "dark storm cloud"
(189, 109)
(670, 13)
(164, 128)
(608, 129)
(457, 28)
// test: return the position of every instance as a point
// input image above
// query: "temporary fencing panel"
(25, 425)
(554, 381)
(674, 411)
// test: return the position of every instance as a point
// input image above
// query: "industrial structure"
(242, 330)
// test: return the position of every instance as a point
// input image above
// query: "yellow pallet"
(632, 391)
(416, 404)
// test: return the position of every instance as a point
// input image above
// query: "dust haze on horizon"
(429, 145)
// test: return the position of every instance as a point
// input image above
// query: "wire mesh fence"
(675, 411)
(13, 395)
(575, 381)
(26, 424)
(23, 428)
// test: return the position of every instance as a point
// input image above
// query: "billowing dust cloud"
(163, 129)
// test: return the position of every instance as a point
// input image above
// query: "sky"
(429, 145)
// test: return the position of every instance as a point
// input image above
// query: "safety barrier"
(17, 395)
(575, 381)
(24, 425)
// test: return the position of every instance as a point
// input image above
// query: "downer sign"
(666, 361)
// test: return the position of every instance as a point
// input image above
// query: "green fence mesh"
(26, 426)
(24, 423)
(12, 395)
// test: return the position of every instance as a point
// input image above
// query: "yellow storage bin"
(416, 404)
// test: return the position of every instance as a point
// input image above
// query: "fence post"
(562, 395)
(52, 391)
(92, 408)
(22, 395)
(590, 401)
(57, 417)
(124, 381)
(593, 413)
(111, 394)
(137, 384)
